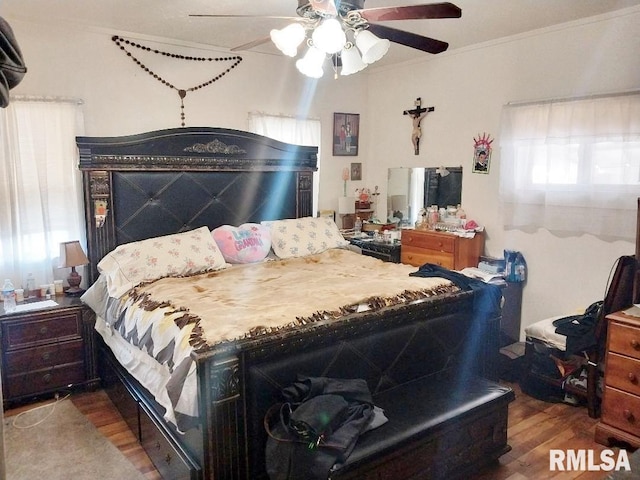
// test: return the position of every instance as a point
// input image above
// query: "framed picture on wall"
(346, 131)
(356, 171)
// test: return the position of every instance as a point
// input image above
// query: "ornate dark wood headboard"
(168, 181)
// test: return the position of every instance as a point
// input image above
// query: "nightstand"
(47, 350)
(388, 252)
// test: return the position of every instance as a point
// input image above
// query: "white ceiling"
(482, 20)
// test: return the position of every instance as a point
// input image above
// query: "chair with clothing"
(558, 348)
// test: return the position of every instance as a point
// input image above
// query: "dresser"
(387, 252)
(441, 248)
(620, 417)
(47, 350)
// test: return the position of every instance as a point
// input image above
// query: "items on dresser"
(47, 349)
(446, 249)
(620, 420)
(386, 251)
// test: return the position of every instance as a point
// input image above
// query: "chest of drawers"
(441, 248)
(620, 419)
(47, 350)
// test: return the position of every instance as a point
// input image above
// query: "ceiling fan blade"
(409, 39)
(242, 16)
(250, 45)
(411, 12)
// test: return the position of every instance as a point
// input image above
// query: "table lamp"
(72, 255)
(347, 209)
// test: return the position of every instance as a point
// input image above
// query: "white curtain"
(298, 131)
(572, 166)
(40, 194)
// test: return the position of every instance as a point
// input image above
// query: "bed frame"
(163, 182)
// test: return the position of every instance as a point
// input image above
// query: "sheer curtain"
(572, 166)
(299, 131)
(40, 194)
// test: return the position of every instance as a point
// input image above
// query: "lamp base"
(74, 292)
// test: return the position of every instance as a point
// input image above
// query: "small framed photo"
(346, 131)
(356, 171)
(481, 160)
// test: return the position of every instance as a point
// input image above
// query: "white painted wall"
(467, 87)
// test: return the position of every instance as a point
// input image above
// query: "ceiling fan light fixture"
(351, 61)
(372, 47)
(329, 36)
(288, 39)
(311, 64)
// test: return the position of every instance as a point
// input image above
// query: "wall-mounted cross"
(417, 114)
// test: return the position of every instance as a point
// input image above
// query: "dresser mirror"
(410, 189)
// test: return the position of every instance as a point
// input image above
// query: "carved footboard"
(438, 338)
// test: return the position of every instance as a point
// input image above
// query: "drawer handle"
(46, 356)
(46, 378)
(168, 459)
(157, 445)
(626, 413)
(635, 344)
(43, 330)
(632, 377)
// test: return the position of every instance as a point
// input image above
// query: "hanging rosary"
(181, 92)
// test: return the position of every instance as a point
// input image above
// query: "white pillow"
(298, 237)
(173, 255)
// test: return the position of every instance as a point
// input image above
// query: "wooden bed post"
(222, 419)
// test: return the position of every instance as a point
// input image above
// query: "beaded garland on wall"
(124, 43)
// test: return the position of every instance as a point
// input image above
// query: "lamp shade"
(72, 255)
(288, 39)
(329, 37)
(346, 205)
(372, 47)
(311, 64)
(351, 61)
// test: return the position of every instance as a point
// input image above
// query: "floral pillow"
(167, 256)
(304, 236)
(248, 243)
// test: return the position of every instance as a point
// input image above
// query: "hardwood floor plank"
(534, 428)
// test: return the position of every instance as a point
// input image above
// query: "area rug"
(64, 445)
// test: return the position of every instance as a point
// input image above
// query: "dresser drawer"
(37, 358)
(624, 339)
(44, 380)
(419, 256)
(36, 330)
(429, 241)
(621, 410)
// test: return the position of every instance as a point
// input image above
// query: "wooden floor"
(535, 427)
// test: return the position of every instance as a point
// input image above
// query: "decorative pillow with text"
(248, 243)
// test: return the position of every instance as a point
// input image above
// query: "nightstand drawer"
(26, 360)
(36, 330)
(432, 241)
(419, 256)
(47, 379)
(624, 340)
(621, 410)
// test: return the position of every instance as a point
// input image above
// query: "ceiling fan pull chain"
(120, 42)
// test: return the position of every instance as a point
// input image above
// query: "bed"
(332, 312)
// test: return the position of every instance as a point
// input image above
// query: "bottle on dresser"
(8, 296)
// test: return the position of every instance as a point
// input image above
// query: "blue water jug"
(515, 266)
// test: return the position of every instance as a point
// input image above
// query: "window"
(40, 194)
(298, 131)
(572, 166)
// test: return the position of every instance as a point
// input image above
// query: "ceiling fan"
(337, 26)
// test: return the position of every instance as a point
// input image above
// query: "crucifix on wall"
(417, 114)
